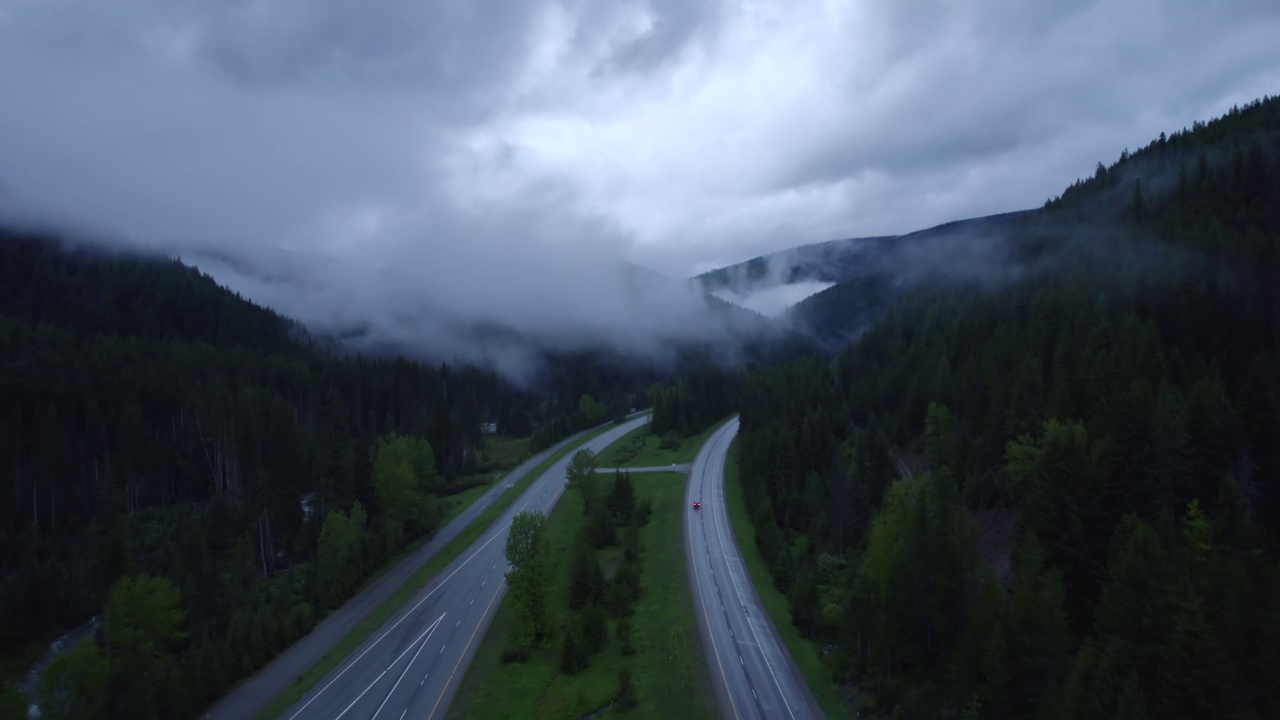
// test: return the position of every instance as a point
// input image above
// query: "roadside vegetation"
(642, 448)
(502, 452)
(1092, 527)
(598, 615)
(806, 652)
(416, 582)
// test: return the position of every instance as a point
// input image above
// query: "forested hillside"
(207, 472)
(694, 402)
(1119, 408)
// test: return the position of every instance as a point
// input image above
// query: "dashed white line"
(732, 559)
(442, 647)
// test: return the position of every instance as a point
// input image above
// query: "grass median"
(641, 448)
(669, 674)
(806, 653)
(391, 605)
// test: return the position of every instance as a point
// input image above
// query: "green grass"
(807, 653)
(668, 669)
(502, 452)
(387, 609)
(641, 448)
(458, 502)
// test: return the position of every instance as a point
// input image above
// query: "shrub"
(626, 695)
(515, 655)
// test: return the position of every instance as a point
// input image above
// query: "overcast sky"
(683, 135)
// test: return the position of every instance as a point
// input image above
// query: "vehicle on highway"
(697, 505)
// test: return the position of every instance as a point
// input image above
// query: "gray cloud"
(487, 160)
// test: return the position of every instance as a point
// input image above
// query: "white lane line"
(459, 624)
(404, 672)
(718, 504)
(425, 633)
(393, 627)
(699, 591)
(404, 712)
(473, 602)
(442, 647)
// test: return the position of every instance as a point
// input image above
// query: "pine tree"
(625, 696)
(595, 632)
(573, 656)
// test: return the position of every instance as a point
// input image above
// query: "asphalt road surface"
(411, 667)
(754, 675)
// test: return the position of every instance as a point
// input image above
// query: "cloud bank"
(503, 160)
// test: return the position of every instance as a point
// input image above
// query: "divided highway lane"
(251, 696)
(411, 667)
(755, 676)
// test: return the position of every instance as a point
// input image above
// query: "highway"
(411, 666)
(251, 696)
(754, 675)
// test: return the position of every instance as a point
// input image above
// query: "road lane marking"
(442, 647)
(462, 655)
(720, 510)
(711, 634)
(425, 633)
(402, 674)
(393, 627)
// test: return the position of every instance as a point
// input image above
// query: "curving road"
(754, 675)
(411, 667)
(251, 696)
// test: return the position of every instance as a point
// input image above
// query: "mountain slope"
(1115, 396)
(155, 424)
(868, 275)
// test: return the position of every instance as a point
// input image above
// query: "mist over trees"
(1059, 497)
(158, 431)
(1056, 495)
